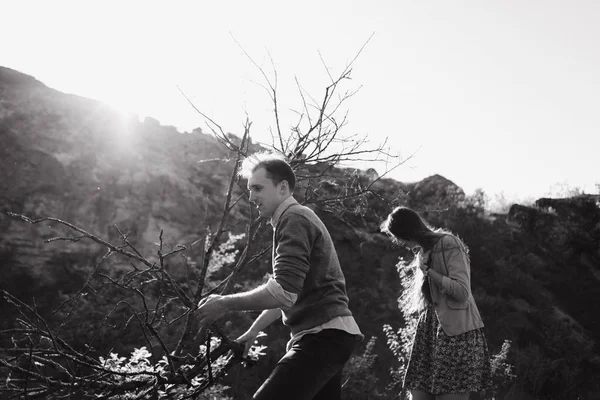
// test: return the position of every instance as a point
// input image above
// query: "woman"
(449, 356)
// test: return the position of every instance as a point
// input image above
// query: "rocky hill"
(535, 271)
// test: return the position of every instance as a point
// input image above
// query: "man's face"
(266, 195)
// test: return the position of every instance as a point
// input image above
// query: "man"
(307, 289)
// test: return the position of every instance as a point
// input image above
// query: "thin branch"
(85, 234)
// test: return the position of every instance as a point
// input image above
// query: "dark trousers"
(311, 370)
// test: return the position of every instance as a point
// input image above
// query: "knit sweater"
(305, 262)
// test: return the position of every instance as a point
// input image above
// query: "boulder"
(434, 192)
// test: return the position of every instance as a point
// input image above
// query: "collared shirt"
(287, 299)
(280, 209)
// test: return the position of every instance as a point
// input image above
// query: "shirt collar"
(281, 208)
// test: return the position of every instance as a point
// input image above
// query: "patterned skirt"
(442, 364)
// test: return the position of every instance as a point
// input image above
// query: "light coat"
(454, 303)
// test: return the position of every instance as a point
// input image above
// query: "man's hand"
(248, 339)
(210, 309)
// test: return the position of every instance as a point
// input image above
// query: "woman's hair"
(276, 167)
(404, 224)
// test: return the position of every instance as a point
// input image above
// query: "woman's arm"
(457, 284)
(435, 276)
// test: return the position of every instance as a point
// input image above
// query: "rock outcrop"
(569, 228)
(434, 192)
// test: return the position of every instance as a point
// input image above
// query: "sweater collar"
(281, 208)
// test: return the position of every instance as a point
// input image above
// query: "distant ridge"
(9, 76)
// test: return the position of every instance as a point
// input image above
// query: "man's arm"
(265, 319)
(295, 236)
(214, 306)
(256, 299)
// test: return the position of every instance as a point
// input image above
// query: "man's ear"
(285, 186)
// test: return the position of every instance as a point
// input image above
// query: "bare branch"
(84, 234)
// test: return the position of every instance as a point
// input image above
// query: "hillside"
(536, 270)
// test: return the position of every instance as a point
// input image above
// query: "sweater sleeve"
(294, 238)
(457, 282)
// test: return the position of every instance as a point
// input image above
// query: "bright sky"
(498, 94)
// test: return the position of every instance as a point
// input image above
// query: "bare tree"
(316, 142)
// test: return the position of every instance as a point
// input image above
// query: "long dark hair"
(404, 224)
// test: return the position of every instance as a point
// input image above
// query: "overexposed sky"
(502, 95)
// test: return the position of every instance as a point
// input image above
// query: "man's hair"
(277, 168)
